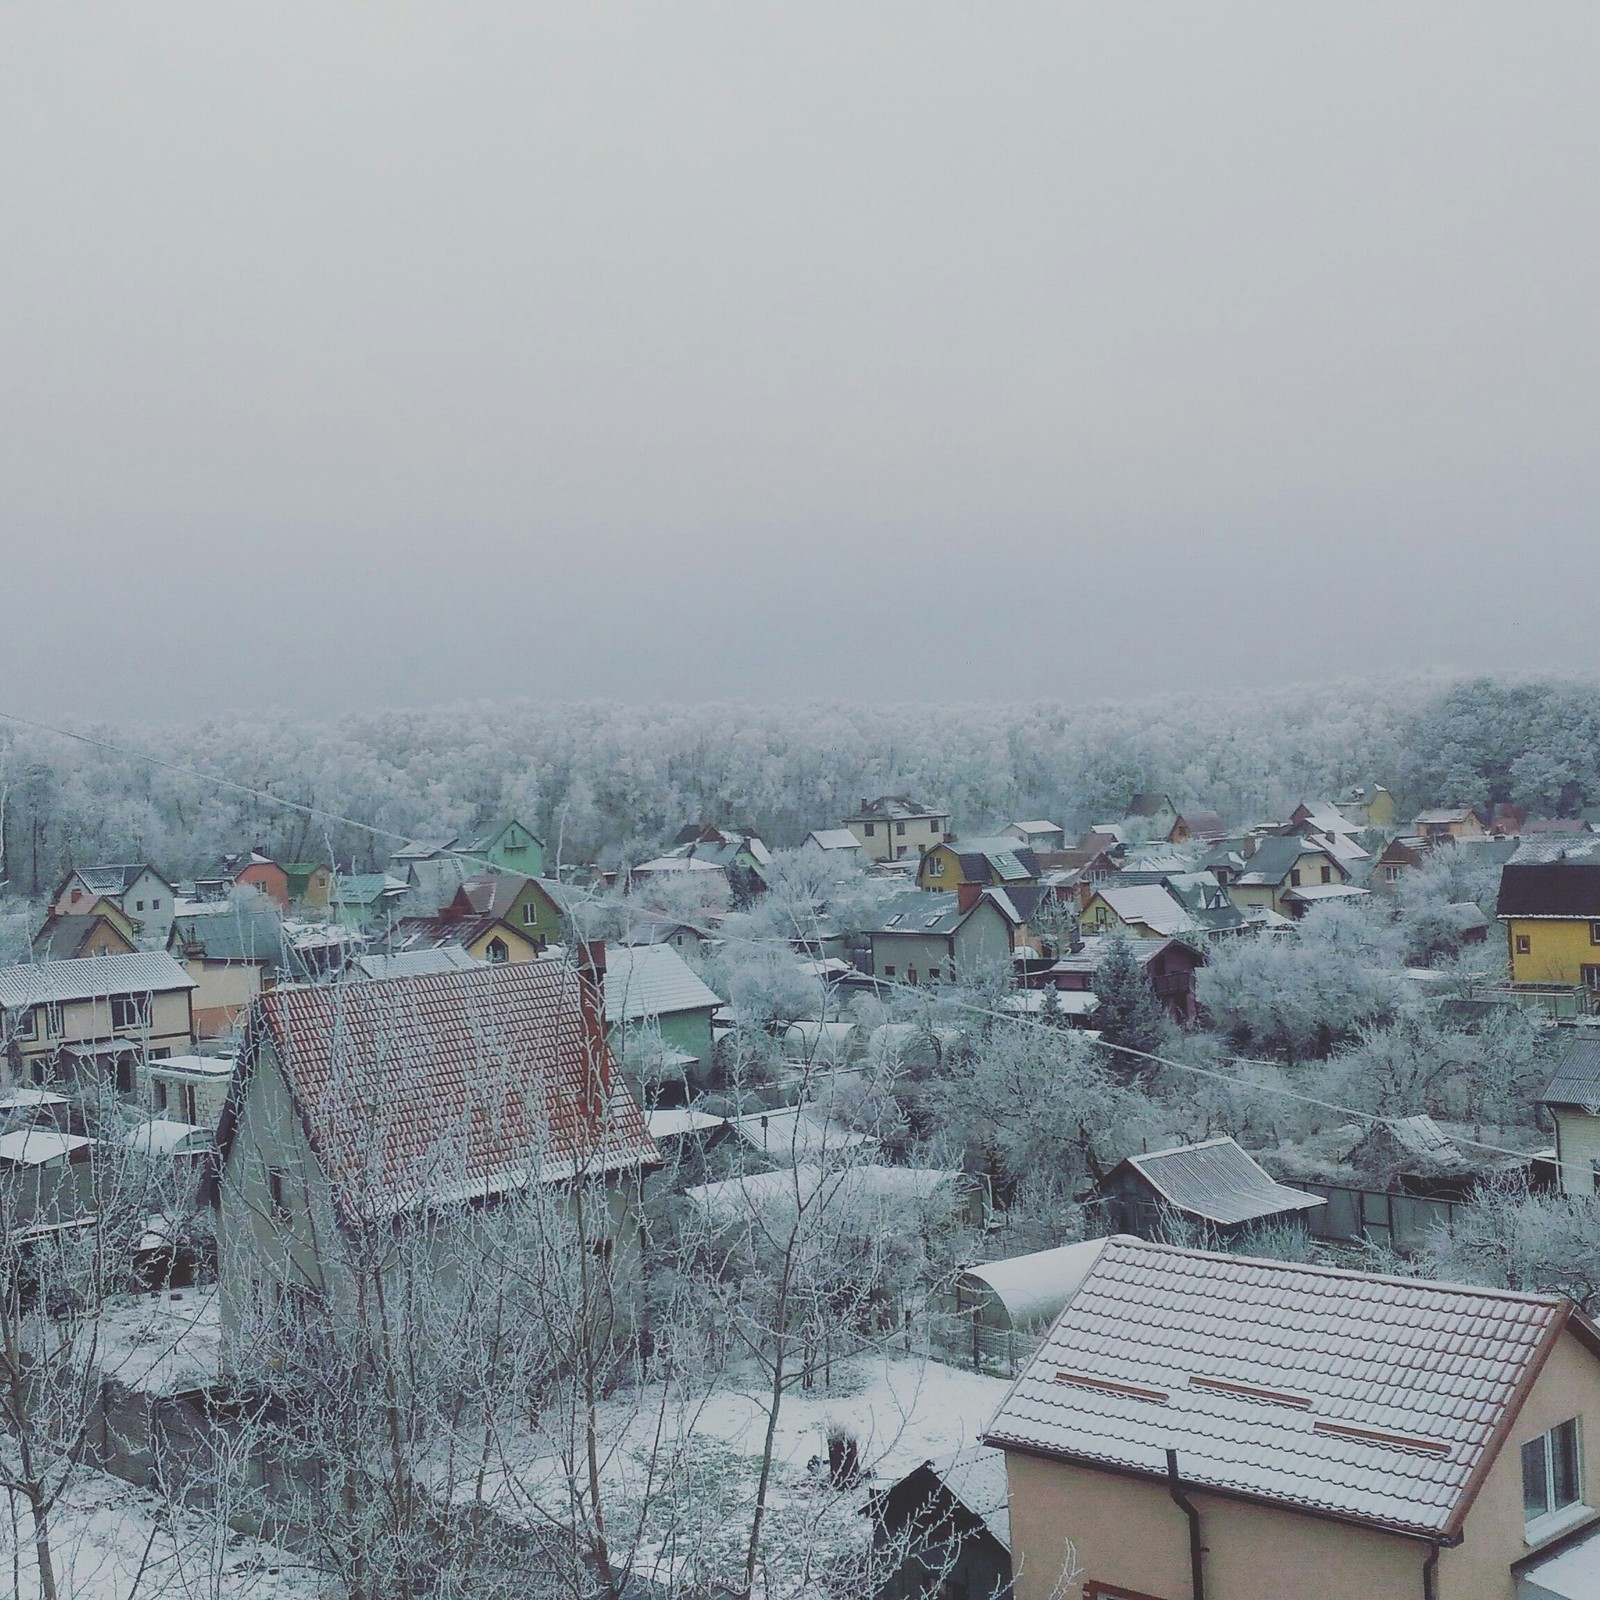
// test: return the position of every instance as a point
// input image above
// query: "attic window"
(932, 922)
(894, 920)
(1126, 1391)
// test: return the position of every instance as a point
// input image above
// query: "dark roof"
(1001, 860)
(1275, 857)
(447, 1086)
(894, 806)
(61, 938)
(927, 915)
(1218, 1183)
(1550, 888)
(1148, 805)
(1577, 1075)
(1206, 825)
(116, 879)
(233, 935)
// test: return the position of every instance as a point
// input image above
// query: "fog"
(369, 355)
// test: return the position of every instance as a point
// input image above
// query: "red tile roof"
(452, 1085)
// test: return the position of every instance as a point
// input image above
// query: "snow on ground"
(160, 1343)
(112, 1541)
(901, 1410)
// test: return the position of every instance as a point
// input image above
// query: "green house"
(659, 1015)
(507, 845)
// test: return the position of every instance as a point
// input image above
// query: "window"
(124, 1074)
(186, 1102)
(1391, 874)
(1294, 876)
(1550, 1475)
(899, 827)
(498, 953)
(130, 1011)
(911, 974)
(55, 1020)
(275, 1194)
(138, 905)
(888, 972)
(1591, 977)
(933, 827)
(867, 830)
(530, 914)
(26, 1025)
(1594, 933)
(1524, 943)
(161, 1094)
(155, 905)
(935, 866)
(1327, 874)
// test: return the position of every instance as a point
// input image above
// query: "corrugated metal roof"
(1219, 1183)
(1369, 1398)
(447, 1086)
(652, 980)
(1577, 1076)
(89, 977)
(414, 963)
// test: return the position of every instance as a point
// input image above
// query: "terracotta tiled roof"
(1369, 1398)
(452, 1085)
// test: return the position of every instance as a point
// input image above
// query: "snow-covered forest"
(606, 782)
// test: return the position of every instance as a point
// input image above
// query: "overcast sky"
(358, 355)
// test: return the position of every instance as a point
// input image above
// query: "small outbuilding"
(1214, 1185)
(1001, 1307)
(949, 1524)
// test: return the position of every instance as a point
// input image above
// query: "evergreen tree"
(1129, 1012)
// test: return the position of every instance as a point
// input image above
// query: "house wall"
(535, 914)
(1128, 1534)
(1577, 1149)
(907, 953)
(155, 920)
(270, 879)
(167, 1090)
(1309, 865)
(940, 868)
(88, 1020)
(1559, 948)
(225, 988)
(518, 851)
(983, 940)
(1569, 1386)
(518, 946)
(887, 843)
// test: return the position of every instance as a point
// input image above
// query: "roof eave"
(1197, 1486)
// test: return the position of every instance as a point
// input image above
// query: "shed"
(1001, 1306)
(46, 1177)
(1214, 1185)
(949, 1521)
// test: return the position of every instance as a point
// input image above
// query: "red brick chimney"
(596, 1048)
(967, 896)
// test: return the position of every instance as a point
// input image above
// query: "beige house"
(1199, 1424)
(1573, 1101)
(137, 890)
(894, 826)
(94, 1018)
(359, 1106)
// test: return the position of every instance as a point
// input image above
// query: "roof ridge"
(1319, 1269)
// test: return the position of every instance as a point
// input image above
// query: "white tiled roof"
(1339, 1392)
(1147, 903)
(86, 977)
(651, 980)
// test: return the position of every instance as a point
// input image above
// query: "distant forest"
(606, 781)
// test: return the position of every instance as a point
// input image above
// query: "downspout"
(1430, 1573)
(1197, 1575)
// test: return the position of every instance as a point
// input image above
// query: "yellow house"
(1367, 805)
(1550, 907)
(1205, 1424)
(1287, 874)
(994, 863)
(1141, 911)
(1455, 822)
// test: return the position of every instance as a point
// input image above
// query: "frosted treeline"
(608, 781)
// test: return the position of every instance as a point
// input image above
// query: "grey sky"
(357, 355)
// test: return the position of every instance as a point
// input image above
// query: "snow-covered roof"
(159, 1137)
(1034, 1288)
(33, 1147)
(1217, 1182)
(25, 1099)
(1571, 1572)
(412, 963)
(673, 1122)
(1316, 893)
(210, 1067)
(796, 1132)
(833, 839)
(90, 977)
(847, 1188)
(977, 1478)
(1148, 904)
(1037, 826)
(1368, 1398)
(651, 980)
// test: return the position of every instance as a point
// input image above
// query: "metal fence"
(1403, 1222)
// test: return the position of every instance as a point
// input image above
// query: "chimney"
(596, 1049)
(967, 895)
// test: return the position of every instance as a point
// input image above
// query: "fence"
(1403, 1222)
